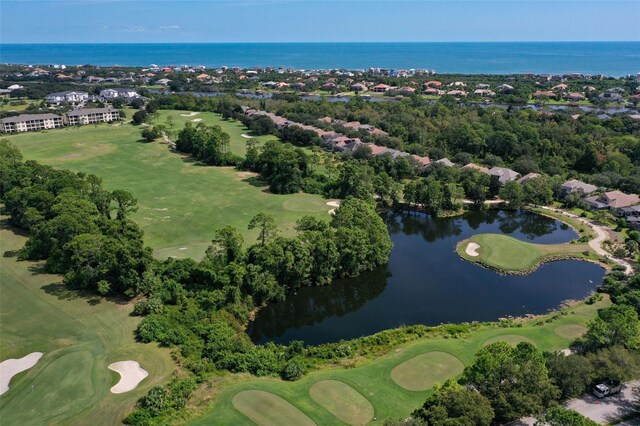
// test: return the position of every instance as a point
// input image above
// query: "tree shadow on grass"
(11, 253)
(258, 182)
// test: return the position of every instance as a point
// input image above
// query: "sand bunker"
(12, 366)
(333, 204)
(131, 374)
(246, 136)
(196, 120)
(191, 114)
(472, 249)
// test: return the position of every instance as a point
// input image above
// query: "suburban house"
(576, 97)
(30, 122)
(431, 91)
(631, 215)
(484, 92)
(574, 185)
(433, 83)
(69, 96)
(612, 199)
(529, 176)
(377, 132)
(407, 91)
(93, 115)
(615, 97)
(543, 94)
(476, 167)
(444, 162)
(504, 175)
(380, 88)
(119, 93)
(163, 82)
(15, 87)
(457, 93)
(358, 87)
(423, 161)
(504, 87)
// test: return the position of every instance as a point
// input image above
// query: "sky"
(237, 21)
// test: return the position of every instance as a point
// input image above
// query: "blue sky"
(115, 21)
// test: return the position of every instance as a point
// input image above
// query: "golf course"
(510, 255)
(180, 203)
(80, 335)
(388, 387)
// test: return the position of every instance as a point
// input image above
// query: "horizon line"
(327, 42)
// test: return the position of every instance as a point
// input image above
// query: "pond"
(426, 282)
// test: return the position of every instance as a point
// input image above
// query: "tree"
(266, 224)
(615, 325)
(226, 245)
(513, 193)
(514, 379)
(453, 405)
(560, 416)
(149, 134)
(125, 201)
(139, 117)
(571, 374)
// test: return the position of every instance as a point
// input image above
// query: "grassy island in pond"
(510, 255)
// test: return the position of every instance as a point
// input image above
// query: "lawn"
(509, 254)
(180, 203)
(79, 335)
(334, 396)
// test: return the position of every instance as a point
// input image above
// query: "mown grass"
(509, 254)
(373, 380)
(342, 401)
(80, 335)
(180, 203)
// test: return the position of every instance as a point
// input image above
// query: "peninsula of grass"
(180, 203)
(509, 255)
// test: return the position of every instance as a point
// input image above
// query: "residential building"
(576, 97)
(380, 88)
(119, 93)
(612, 199)
(30, 122)
(71, 97)
(504, 174)
(631, 215)
(574, 185)
(444, 162)
(529, 176)
(93, 115)
(476, 167)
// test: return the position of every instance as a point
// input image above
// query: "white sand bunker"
(333, 204)
(246, 136)
(131, 374)
(196, 120)
(191, 114)
(12, 366)
(472, 249)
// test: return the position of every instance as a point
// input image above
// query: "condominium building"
(93, 115)
(29, 122)
(69, 96)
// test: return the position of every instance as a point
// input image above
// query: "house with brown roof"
(407, 91)
(576, 97)
(476, 167)
(433, 83)
(432, 91)
(612, 199)
(377, 132)
(543, 94)
(457, 93)
(380, 88)
(358, 87)
(503, 174)
(423, 161)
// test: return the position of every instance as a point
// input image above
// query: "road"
(596, 243)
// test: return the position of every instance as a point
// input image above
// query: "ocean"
(608, 58)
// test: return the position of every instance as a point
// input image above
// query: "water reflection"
(425, 282)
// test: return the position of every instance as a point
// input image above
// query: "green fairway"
(265, 408)
(509, 254)
(424, 371)
(374, 380)
(514, 339)
(79, 335)
(342, 401)
(180, 203)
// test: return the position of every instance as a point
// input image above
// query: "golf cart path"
(596, 243)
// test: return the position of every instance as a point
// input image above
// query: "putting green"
(570, 331)
(267, 409)
(512, 339)
(509, 254)
(424, 371)
(342, 401)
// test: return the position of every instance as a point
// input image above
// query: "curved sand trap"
(570, 331)
(196, 120)
(342, 401)
(12, 366)
(131, 374)
(267, 409)
(512, 339)
(422, 372)
(333, 203)
(246, 136)
(191, 114)
(472, 249)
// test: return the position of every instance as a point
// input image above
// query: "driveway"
(611, 408)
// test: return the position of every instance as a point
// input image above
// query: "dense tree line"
(208, 144)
